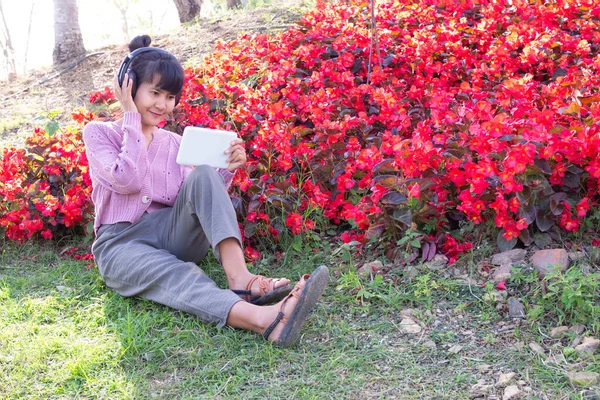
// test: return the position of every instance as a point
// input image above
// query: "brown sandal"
(308, 291)
(267, 293)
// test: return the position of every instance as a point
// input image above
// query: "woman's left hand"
(237, 155)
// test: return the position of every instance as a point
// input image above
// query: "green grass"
(64, 335)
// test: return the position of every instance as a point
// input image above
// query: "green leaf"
(416, 243)
(51, 127)
(297, 245)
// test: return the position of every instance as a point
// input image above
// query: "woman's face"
(153, 103)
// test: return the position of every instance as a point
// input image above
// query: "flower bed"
(480, 113)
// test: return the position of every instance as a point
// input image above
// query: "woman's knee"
(204, 174)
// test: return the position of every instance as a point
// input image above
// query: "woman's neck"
(147, 130)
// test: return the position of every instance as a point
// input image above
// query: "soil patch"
(67, 87)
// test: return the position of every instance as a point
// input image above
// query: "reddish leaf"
(556, 204)
(393, 199)
(543, 220)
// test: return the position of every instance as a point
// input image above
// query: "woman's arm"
(119, 168)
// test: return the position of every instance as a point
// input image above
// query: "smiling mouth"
(155, 114)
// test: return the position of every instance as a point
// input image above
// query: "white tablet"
(203, 146)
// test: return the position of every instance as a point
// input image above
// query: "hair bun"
(139, 42)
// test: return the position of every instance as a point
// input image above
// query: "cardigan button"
(145, 199)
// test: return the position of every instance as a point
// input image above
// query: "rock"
(481, 387)
(455, 349)
(502, 273)
(407, 312)
(536, 348)
(430, 344)
(558, 332)
(410, 272)
(511, 392)
(438, 262)
(370, 268)
(588, 347)
(590, 395)
(515, 308)
(483, 368)
(545, 261)
(508, 257)
(407, 325)
(577, 329)
(576, 255)
(504, 379)
(518, 346)
(584, 379)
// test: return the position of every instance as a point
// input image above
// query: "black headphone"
(124, 68)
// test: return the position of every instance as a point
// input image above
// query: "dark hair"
(147, 64)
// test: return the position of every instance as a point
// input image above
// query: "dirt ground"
(67, 87)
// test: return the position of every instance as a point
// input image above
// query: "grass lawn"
(65, 335)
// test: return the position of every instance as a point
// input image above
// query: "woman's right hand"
(123, 93)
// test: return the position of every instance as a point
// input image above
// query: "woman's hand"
(123, 93)
(237, 154)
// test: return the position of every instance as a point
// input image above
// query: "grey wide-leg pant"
(155, 257)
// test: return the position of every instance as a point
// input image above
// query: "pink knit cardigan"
(128, 178)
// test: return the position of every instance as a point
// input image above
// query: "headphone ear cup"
(133, 79)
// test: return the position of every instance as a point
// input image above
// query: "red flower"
(294, 222)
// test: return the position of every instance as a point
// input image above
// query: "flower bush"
(467, 111)
(45, 187)
(485, 112)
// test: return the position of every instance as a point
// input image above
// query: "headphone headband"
(129, 58)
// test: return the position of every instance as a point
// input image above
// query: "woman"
(156, 219)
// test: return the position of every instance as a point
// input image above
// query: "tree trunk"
(68, 43)
(234, 3)
(187, 9)
(28, 36)
(123, 6)
(7, 49)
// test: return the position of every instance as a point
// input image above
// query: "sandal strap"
(273, 325)
(251, 281)
(265, 285)
(281, 317)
